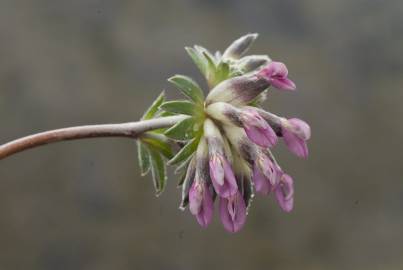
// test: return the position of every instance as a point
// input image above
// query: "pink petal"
(275, 69)
(217, 171)
(300, 128)
(295, 144)
(229, 186)
(261, 183)
(205, 216)
(233, 213)
(276, 73)
(283, 84)
(285, 193)
(195, 198)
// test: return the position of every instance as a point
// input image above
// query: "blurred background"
(83, 205)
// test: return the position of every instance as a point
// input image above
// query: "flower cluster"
(227, 139)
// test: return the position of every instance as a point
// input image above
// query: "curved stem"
(131, 130)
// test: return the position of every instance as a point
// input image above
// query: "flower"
(238, 91)
(252, 62)
(222, 176)
(221, 173)
(296, 133)
(201, 203)
(233, 212)
(285, 193)
(276, 73)
(265, 175)
(257, 129)
(227, 140)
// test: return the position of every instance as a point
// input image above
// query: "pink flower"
(276, 73)
(265, 175)
(295, 134)
(222, 176)
(233, 212)
(285, 193)
(257, 129)
(201, 203)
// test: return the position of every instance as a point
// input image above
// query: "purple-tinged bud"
(296, 133)
(246, 149)
(257, 129)
(233, 212)
(201, 203)
(265, 175)
(252, 62)
(276, 73)
(221, 173)
(238, 91)
(200, 196)
(239, 46)
(222, 176)
(285, 193)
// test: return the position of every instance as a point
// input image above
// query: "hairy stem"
(131, 130)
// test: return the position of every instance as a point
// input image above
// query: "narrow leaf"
(223, 72)
(188, 87)
(178, 107)
(158, 171)
(187, 183)
(144, 158)
(159, 143)
(203, 51)
(197, 58)
(153, 109)
(185, 152)
(181, 168)
(183, 130)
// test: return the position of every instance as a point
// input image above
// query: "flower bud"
(241, 144)
(295, 134)
(221, 173)
(264, 174)
(285, 193)
(252, 62)
(200, 196)
(256, 128)
(233, 212)
(201, 203)
(239, 46)
(239, 90)
(276, 73)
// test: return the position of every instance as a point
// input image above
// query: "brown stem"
(131, 130)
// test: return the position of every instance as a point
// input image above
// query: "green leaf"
(188, 87)
(223, 72)
(183, 166)
(150, 113)
(197, 58)
(211, 65)
(186, 151)
(183, 130)
(144, 158)
(179, 107)
(158, 171)
(201, 50)
(159, 143)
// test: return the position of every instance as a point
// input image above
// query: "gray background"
(83, 205)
